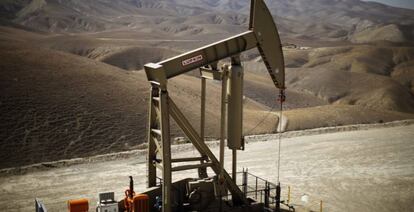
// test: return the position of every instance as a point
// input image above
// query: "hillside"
(72, 83)
(57, 105)
(344, 20)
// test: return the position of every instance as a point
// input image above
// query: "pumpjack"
(207, 192)
(220, 192)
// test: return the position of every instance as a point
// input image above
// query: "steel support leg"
(151, 155)
(166, 151)
(202, 172)
(223, 117)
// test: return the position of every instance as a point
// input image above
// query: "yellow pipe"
(321, 206)
(288, 199)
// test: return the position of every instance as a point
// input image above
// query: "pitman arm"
(262, 34)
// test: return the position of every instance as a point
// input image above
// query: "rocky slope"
(71, 84)
(339, 20)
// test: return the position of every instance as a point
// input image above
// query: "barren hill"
(57, 105)
(72, 84)
(340, 20)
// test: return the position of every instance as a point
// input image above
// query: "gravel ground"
(364, 170)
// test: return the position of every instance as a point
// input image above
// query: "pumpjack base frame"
(181, 202)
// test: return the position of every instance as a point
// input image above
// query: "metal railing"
(266, 192)
(259, 189)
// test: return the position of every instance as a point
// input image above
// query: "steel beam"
(238, 197)
(166, 151)
(200, 57)
(192, 166)
(179, 160)
(151, 154)
(202, 171)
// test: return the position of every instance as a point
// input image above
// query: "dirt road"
(366, 170)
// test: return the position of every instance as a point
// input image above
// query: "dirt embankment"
(141, 152)
(360, 170)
